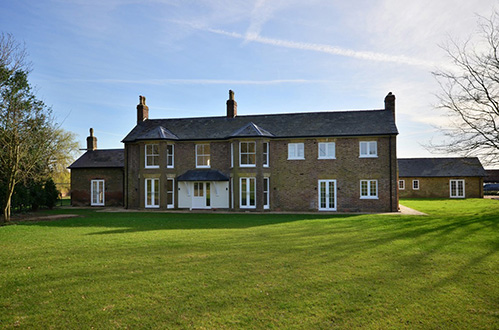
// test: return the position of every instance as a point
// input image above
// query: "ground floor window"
(170, 201)
(401, 184)
(327, 195)
(415, 184)
(457, 188)
(247, 195)
(266, 194)
(97, 192)
(368, 189)
(152, 193)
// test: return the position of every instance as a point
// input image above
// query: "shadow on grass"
(149, 221)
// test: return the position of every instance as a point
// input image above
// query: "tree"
(470, 93)
(29, 138)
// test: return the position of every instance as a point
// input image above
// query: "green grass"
(215, 271)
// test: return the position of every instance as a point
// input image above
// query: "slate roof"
(100, 158)
(203, 175)
(306, 124)
(440, 167)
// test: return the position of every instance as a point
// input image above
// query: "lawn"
(215, 271)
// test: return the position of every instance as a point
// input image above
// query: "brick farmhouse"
(314, 161)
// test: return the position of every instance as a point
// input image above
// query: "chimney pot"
(142, 110)
(91, 141)
(231, 105)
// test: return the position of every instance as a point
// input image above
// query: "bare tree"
(30, 142)
(470, 94)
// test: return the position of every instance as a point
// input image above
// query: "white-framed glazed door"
(201, 195)
(97, 193)
(327, 195)
(457, 189)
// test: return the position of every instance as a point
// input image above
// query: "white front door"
(97, 192)
(201, 195)
(327, 195)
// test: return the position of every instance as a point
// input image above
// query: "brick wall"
(81, 181)
(293, 183)
(439, 187)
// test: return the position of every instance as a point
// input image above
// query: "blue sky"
(92, 59)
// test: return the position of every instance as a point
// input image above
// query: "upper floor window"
(326, 150)
(202, 155)
(368, 149)
(232, 155)
(247, 154)
(170, 155)
(265, 154)
(296, 151)
(152, 156)
(368, 189)
(415, 184)
(401, 184)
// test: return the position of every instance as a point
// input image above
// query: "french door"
(152, 193)
(327, 195)
(97, 192)
(456, 188)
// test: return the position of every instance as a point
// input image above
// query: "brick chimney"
(91, 141)
(142, 110)
(390, 103)
(231, 106)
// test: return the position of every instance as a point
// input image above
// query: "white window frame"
(248, 193)
(172, 192)
(98, 203)
(198, 154)
(326, 145)
(266, 193)
(415, 184)
(401, 184)
(147, 182)
(170, 155)
(371, 149)
(369, 195)
(328, 194)
(266, 153)
(150, 154)
(455, 195)
(294, 151)
(241, 153)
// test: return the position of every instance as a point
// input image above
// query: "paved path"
(408, 211)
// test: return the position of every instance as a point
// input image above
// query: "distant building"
(97, 177)
(315, 161)
(440, 178)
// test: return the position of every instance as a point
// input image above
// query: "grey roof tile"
(440, 167)
(306, 124)
(100, 158)
(203, 175)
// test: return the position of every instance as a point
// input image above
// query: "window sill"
(248, 207)
(200, 166)
(247, 165)
(296, 158)
(368, 197)
(326, 158)
(155, 166)
(152, 207)
(361, 156)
